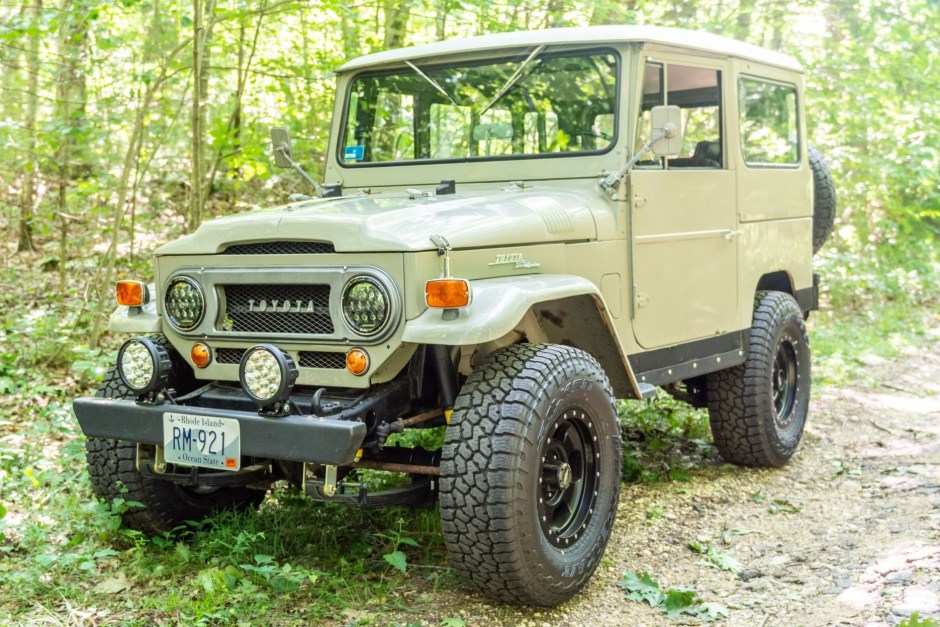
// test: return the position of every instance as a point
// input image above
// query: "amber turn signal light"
(447, 293)
(131, 293)
(201, 355)
(357, 361)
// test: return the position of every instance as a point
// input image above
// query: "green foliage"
(715, 557)
(675, 603)
(395, 557)
(293, 560)
(914, 620)
(662, 439)
(877, 302)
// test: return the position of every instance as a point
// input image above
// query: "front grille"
(229, 355)
(282, 309)
(320, 359)
(281, 248)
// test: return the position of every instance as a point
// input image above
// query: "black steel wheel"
(113, 474)
(568, 477)
(530, 474)
(757, 410)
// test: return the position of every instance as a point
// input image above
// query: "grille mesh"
(288, 309)
(281, 248)
(317, 359)
(308, 359)
(229, 355)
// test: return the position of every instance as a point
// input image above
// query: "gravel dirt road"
(847, 534)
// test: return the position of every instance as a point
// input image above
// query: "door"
(683, 217)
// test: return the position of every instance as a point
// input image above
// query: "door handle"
(733, 234)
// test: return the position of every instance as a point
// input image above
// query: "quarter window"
(770, 133)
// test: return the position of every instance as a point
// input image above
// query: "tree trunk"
(440, 19)
(742, 26)
(24, 240)
(70, 163)
(235, 119)
(396, 22)
(195, 193)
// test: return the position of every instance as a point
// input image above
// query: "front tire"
(757, 410)
(530, 474)
(113, 473)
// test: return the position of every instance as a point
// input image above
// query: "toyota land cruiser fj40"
(513, 231)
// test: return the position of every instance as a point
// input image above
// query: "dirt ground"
(847, 534)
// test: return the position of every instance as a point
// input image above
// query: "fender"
(142, 319)
(499, 305)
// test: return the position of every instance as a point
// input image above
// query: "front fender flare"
(500, 304)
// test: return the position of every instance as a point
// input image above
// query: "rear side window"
(770, 132)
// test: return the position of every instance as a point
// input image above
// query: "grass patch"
(877, 303)
(292, 561)
(663, 439)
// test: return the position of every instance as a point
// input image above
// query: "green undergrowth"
(877, 302)
(65, 557)
(663, 439)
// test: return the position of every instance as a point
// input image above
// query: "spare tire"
(824, 199)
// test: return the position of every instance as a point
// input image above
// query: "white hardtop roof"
(677, 37)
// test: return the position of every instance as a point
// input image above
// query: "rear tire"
(757, 410)
(530, 474)
(113, 473)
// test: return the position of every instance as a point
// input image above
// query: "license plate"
(204, 441)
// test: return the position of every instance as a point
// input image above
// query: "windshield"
(531, 105)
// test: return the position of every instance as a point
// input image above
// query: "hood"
(398, 221)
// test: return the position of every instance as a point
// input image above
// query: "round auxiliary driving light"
(365, 305)
(267, 374)
(143, 365)
(184, 303)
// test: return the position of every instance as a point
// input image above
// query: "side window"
(697, 92)
(770, 133)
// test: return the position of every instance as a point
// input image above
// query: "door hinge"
(642, 299)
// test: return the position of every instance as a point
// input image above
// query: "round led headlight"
(365, 305)
(184, 303)
(143, 365)
(267, 374)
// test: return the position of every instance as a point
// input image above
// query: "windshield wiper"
(512, 79)
(433, 82)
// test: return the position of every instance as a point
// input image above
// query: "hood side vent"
(281, 248)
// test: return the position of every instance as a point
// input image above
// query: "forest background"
(127, 123)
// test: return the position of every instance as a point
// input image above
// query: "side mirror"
(666, 122)
(282, 152)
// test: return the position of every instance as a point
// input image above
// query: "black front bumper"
(304, 438)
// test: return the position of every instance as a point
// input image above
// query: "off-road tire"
(519, 421)
(113, 473)
(824, 199)
(757, 410)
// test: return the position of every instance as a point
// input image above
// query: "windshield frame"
(552, 52)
